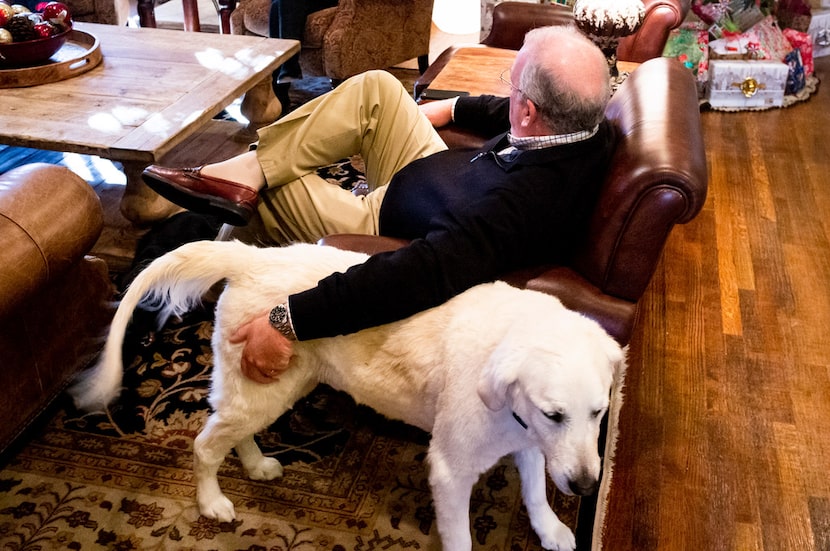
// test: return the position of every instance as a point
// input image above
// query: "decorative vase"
(606, 21)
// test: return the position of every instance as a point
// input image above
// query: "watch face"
(278, 314)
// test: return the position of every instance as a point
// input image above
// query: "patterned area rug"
(122, 480)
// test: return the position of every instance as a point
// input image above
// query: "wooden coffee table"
(153, 89)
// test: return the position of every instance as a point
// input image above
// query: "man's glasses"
(504, 77)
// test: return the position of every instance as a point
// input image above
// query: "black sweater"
(471, 216)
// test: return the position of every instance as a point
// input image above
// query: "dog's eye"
(555, 416)
(598, 413)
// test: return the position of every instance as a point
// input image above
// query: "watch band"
(280, 319)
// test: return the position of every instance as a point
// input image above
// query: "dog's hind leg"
(210, 448)
(257, 465)
(551, 531)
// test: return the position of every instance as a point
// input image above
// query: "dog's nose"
(584, 485)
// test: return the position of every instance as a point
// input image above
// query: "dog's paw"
(219, 508)
(557, 537)
(266, 468)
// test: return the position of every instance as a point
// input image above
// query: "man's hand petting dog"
(266, 352)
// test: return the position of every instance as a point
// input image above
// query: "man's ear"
(529, 114)
(501, 371)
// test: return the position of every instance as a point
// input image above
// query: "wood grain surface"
(152, 90)
(725, 430)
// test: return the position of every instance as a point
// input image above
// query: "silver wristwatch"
(280, 319)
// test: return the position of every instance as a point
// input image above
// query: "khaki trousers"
(370, 114)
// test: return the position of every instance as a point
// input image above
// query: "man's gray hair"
(563, 109)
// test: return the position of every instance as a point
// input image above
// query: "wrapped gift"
(820, 32)
(690, 45)
(770, 40)
(733, 46)
(803, 42)
(747, 84)
(796, 78)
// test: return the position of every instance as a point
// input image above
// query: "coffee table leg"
(140, 204)
(261, 107)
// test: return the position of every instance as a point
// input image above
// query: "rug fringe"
(610, 449)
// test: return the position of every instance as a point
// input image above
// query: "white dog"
(494, 371)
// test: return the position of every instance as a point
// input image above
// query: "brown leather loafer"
(233, 203)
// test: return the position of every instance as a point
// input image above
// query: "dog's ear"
(612, 349)
(615, 354)
(500, 371)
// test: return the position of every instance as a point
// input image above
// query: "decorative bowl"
(31, 52)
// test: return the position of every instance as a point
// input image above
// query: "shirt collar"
(540, 142)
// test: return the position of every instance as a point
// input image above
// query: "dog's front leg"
(451, 491)
(551, 531)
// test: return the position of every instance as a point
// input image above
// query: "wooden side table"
(477, 69)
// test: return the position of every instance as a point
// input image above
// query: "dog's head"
(555, 374)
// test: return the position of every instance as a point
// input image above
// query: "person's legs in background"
(287, 20)
(370, 114)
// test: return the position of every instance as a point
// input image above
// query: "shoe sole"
(227, 211)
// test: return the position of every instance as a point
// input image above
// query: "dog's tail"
(173, 284)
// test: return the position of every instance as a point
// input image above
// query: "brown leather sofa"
(658, 178)
(512, 20)
(55, 302)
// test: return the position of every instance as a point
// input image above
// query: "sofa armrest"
(658, 178)
(648, 42)
(49, 219)
(369, 244)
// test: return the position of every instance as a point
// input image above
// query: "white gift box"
(747, 83)
(820, 31)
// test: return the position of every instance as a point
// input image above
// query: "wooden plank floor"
(725, 428)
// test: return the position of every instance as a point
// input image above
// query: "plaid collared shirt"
(540, 142)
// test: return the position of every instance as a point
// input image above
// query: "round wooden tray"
(79, 54)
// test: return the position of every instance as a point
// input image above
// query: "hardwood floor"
(725, 429)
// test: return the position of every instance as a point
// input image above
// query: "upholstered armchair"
(512, 20)
(658, 178)
(354, 36)
(111, 12)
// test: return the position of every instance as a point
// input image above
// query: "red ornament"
(6, 13)
(57, 13)
(45, 29)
